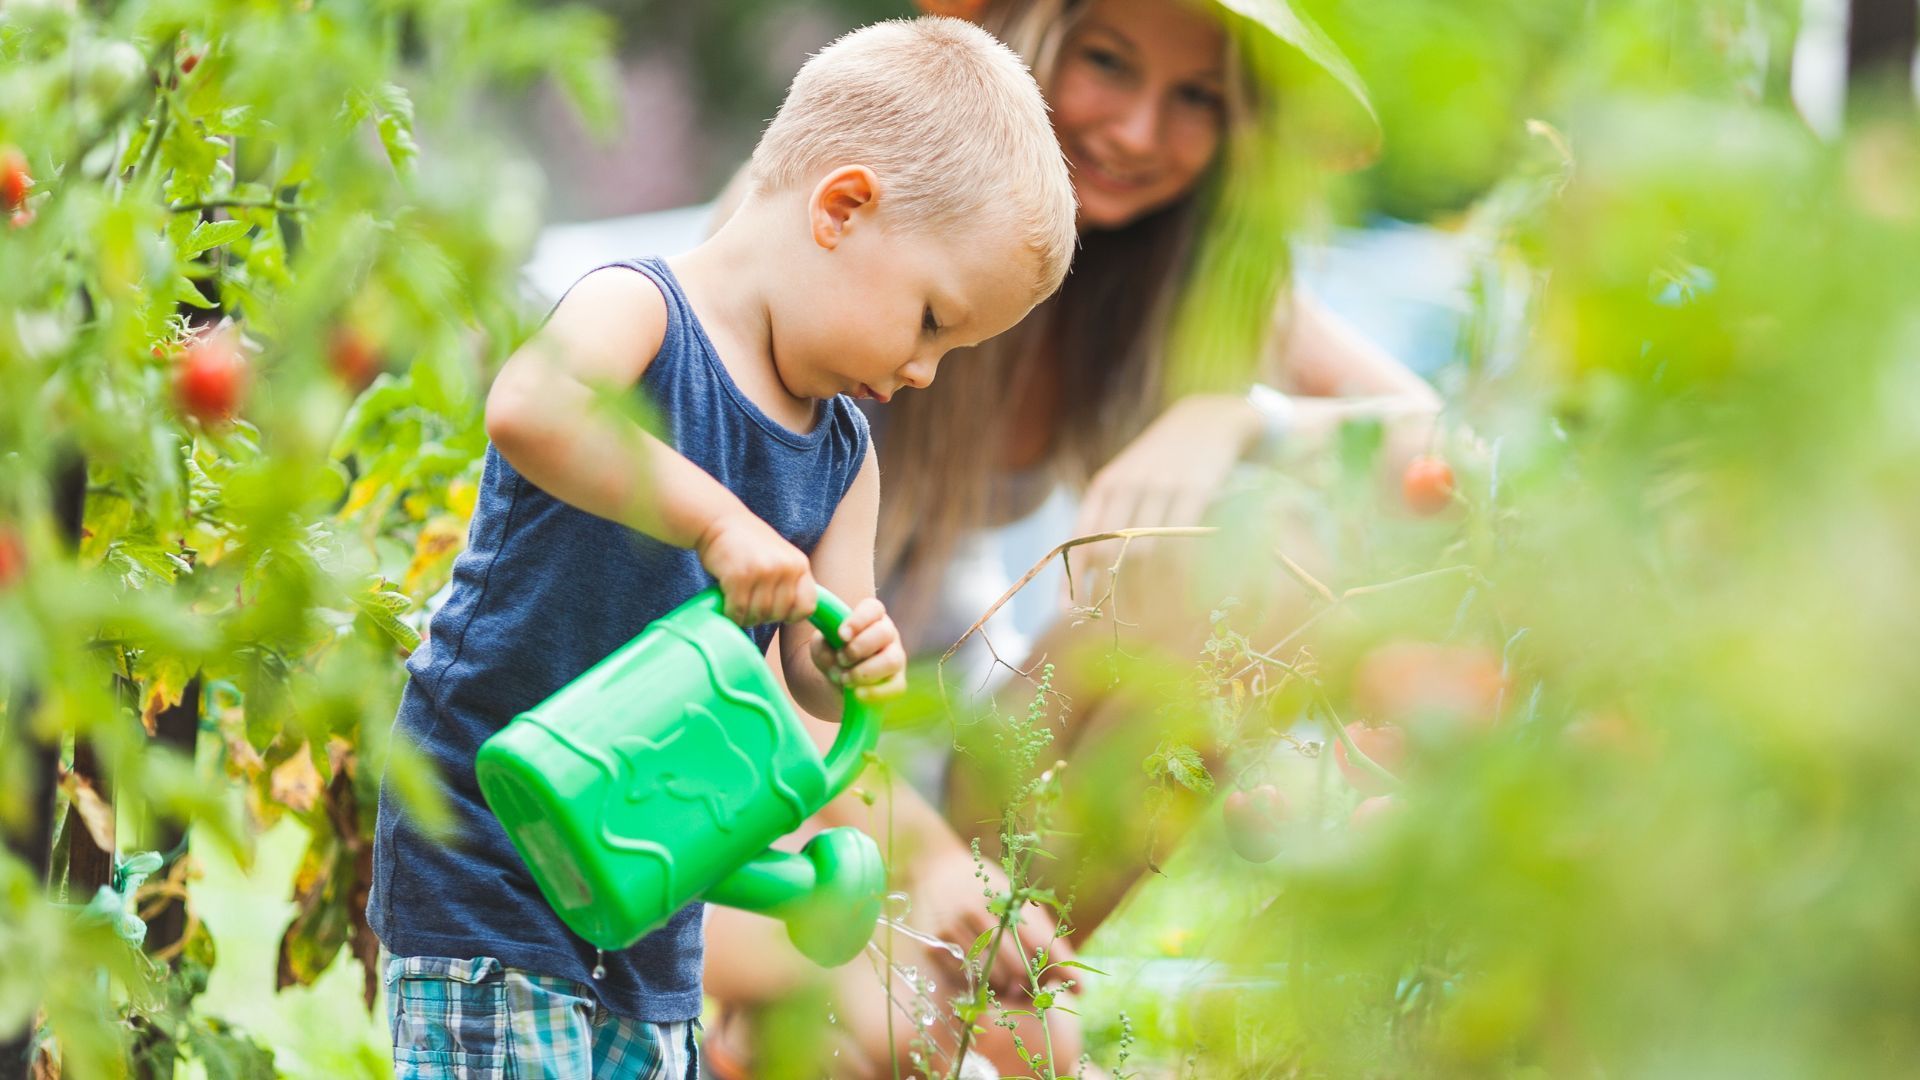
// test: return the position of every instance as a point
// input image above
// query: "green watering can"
(662, 775)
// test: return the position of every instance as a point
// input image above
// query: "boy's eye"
(928, 323)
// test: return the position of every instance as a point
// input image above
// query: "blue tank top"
(542, 593)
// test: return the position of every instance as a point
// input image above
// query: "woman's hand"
(949, 902)
(1168, 475)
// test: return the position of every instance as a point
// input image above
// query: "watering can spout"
(828, 894)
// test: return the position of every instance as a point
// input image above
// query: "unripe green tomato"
(110, 70)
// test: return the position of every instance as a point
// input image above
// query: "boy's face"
(871, 305)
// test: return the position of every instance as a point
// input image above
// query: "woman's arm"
(1170, 472)
(1320, 355)
(1332, 374)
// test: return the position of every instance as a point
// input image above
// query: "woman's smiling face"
(1139, 104)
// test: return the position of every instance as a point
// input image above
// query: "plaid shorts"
(477, 1020)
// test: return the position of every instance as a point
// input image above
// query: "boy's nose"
(918, 373)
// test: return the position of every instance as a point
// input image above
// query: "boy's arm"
(548, 415)
(843, 563)
(557, 414)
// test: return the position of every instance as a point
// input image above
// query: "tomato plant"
(232, 541)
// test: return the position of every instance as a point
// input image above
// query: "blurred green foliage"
(1649, 667)
(727, 46)
(1672, 846)
(258, 317)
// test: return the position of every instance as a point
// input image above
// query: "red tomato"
(1405, 681)
(14, 180)
(1427, 485)
(1386, 745)
(13, 558)
(353, 358)
(1253, 822)
(210, 379)
(1372, 811)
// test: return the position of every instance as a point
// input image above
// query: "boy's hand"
(873, 662)
(763, 578)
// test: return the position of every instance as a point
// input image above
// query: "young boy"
(909, 198)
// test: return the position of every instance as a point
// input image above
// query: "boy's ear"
(840, 197)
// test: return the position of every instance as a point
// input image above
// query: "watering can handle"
(859, 722)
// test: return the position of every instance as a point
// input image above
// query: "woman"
(1129, 386)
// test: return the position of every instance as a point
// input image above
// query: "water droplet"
(599, 964)
(947, 947)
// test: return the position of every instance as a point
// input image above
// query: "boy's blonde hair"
(946, 116)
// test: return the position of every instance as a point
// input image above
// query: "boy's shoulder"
(617, 316)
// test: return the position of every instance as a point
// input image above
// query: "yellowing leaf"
(461, 497)
(96, 813)
(365, 490)
(440, 541)
(166, 685)
(296, 782)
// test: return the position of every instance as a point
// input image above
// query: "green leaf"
(186, 292)
(1357, 445)
(1074, 964)
(1181, 764)
(141, 561)
(229, 1054)
(212, 234)
(382, 607)
(395, 110)
(979, 944)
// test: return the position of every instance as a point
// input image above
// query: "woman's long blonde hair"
(1178, 302)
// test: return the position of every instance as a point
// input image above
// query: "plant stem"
(1354, 753)
(893, 1047)
(1062, 549)
(152, 150)
(986, 967)
(1336, 601)
(239, 204)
